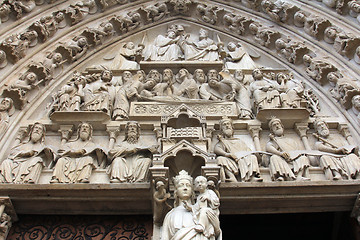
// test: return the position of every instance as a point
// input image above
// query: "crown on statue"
(273, 119)
(224, 119)
(182, 175)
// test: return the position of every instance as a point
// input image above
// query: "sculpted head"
(127, 76)
(356, 102)
(31, 77)
(281, 78)
(183, 187)
(321, 127)
(231, 46)
(239, 75)
(85, 131)
(154, 75)
(257, 74)
(106, 75)
(37, 132)
(199, 76)
(200, 184)
(6, 104)
(276, 127)
(168, 75)
(132, 131)
(203, 33)
(226, 127)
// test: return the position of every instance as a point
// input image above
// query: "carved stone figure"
(354, 9)
(74, 49)
(161, 207)
(234, 156)
(47, 26)
(330, 34)
(5, 225)
(214, 89)
(300, 18)
(357, 55)
(238, 58)
(26, 161)
(265, 36)
(5, 10)
(236, 23)
(155, 12)
(188, 86)
(96, 36)
(204, 50)
(131, 159)
(72, 94)
(293, 51)
(7, 109)
(343, 88)
(264, 92)
(290, 91)
(78, 158)
(346, 164)
(181, 223)
(129, 91)
(355, 102)
(315, 26)
(78, 11)
(318, 69)
(105, 4)
(128, 57)
(52, 61)
(279, 10)
(165, 48)
(208, 13)
(100, 94)
(22, 6)
(128, 22)
(181, 6)
(15, 47)
(285, 161)
(346, 43)
(3, 60)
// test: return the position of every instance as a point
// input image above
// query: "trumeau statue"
(5, 225)
(26, 161)
(234, 156)
(285, 163)
(131, 158)
(188, 220)
(346, 164)
(78, 158)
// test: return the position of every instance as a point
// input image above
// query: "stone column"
(255, 132)
(113, 133)
(301, 129)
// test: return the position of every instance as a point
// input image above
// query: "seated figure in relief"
(264, 92)
(131, 159)
(78, 158)
(339, 159)
(188, 221)
(234, 156)
(205, 49)
(286, 163)
(188, 86)
(26, 160)
(290, 91)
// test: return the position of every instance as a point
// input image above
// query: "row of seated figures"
(231, 150)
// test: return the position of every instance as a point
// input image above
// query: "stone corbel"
(7, 216)
(113, 133)
(66, 132)
(254, 131)
(356, 209)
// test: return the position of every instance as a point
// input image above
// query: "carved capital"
(254, 130)
(66, 132)
(211, 173)
(344, 130)
(113, 131)
(301, 129)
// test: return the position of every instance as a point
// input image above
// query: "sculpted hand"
(187, 206)
(285, 155)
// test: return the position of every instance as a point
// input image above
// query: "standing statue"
(7, 109)
(78, 158)
(131, 158)
(5, 225)
(336, 167)
(26, 161)
(290, 91)
(71, 95)
(161, 207)
(188, 221)
(238, 58)
(285, 159)
(234, 156)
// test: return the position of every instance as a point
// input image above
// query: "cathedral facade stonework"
(179, 109)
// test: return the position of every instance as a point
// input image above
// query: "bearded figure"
(26, 161)
(131, 159)
(346, 164)
(78, 158)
